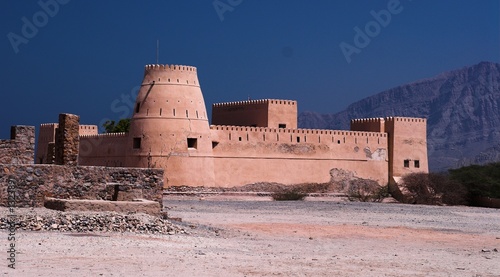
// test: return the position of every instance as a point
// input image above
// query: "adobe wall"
(32, 182)
(103, 149)
(20, 148)
(247, 155)
(257, 113)
(47, 135)
(407, 144)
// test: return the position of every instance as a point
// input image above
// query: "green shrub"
(482, 181)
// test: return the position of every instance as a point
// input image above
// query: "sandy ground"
(266, 238)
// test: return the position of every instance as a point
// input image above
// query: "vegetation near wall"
(434, 189)
(461, 186)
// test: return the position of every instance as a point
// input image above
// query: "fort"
(248, 142)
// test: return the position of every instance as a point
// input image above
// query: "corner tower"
(170, 129)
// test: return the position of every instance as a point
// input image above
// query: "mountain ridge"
(462, 108)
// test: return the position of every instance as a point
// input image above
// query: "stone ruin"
(67, 186)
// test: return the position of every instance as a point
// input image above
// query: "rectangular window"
(407, 163)
(282, 126)
(192, 143)
(417, 163)
(298, 139)
(137, 143)
(137, 107)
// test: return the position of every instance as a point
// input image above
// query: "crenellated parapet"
(255, 102)
(405, 119)
(105, 135)
(164, 74)
(173, 67)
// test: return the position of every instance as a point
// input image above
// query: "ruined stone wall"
(67, 139)
(20, 148)
(31, 183)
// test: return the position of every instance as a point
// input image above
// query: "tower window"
(192, 143)
(282, 126)
(298, 139)
(417, 163)
(137, 143)
(407, 163)
(137, 107)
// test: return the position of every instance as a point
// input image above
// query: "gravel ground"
(265, 238)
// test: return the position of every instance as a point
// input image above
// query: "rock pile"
(34, 220)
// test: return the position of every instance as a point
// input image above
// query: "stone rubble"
(44, 220)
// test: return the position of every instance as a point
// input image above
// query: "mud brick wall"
(31, 183)
(20, 148)
(67, 139)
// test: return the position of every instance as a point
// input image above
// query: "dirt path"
(264, 238)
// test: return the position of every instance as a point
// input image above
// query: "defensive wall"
(245, 155)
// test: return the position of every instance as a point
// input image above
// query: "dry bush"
(434, 189)
(288, 194)
(366, 191)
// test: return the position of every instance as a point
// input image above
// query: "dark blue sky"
(87, 57)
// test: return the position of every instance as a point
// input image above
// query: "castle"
(248, 142)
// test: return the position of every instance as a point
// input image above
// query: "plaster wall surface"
(247, 155)
(103, 149)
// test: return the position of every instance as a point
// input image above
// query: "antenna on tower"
(157, 51)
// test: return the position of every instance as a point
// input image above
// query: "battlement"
(166, 67)
(368, 120)
(297, 131)
(105, 135)
(405, 119)
(255, 102)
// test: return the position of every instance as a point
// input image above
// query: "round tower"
(170, 129)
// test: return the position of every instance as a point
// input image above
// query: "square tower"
(271, 113)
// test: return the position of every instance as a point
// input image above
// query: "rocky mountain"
(462, 108)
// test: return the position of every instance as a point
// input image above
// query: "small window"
(137, 107)
(298, 139)
(137, 143)
(407, 163)
(239, 138)
(214, 144)
(192, 143)
(282, 126)
(417, 163)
